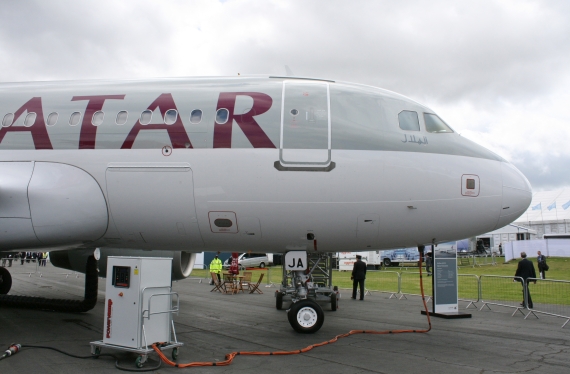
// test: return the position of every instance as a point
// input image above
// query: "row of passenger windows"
(145, 118)
(409, 121)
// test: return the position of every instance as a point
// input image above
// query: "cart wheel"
(97, 352)
(139, 362)
(175, 353)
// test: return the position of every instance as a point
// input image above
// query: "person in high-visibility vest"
(216, 267)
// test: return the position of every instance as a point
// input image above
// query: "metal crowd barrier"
(469, 289)
(412, 288)
(550, 297)
(269, 281)
(476, 260)
(484, 260)
(502, 291)
(383, 281)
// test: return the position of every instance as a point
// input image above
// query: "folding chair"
(229, 284)
(255, 287)
(218, 286)
(246, 280)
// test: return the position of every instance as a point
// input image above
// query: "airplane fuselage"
(238, 164)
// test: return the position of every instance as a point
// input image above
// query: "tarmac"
(212, 325)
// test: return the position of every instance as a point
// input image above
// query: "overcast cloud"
(497, 71)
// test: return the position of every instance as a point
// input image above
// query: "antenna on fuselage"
(288, 71)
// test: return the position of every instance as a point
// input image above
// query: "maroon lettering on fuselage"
(246, 122)
(178, 135)
(37, 129)
(94, 104)
(176, 132)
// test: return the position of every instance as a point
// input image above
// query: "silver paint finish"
(14, 179)
(380, 170)
(15, 222)
(66, 204)
(517, 194)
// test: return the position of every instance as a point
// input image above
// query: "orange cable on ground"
(230, 356)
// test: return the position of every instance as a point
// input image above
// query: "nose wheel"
(306, 316)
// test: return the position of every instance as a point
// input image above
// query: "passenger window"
(435, 124)
(196, 116)
(170, 116)
(74, 119)
(146, 117)
(409, 120)
(52, 119)
(7, 120)
(222, 116)
(30, 119)
(97, 118)
(122, 117)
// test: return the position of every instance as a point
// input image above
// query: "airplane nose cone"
(517, 194)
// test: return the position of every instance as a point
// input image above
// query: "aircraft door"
(305, 126)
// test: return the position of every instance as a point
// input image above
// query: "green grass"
(386, 280)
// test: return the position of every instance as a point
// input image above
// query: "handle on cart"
(172, 310)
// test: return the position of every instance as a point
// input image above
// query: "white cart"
(139, 303)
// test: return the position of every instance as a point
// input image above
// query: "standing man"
(525, 270)
(358, 277)
(542, 267)
(216, 267)
(429, 263)
(500, 249)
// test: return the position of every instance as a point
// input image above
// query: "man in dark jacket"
(358, 277)
(525, 270)
(541, 261)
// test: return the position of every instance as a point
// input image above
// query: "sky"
(497, 71)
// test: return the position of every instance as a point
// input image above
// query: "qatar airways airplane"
(237, 164)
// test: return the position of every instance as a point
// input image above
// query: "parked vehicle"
(397, 256)
(251, 260)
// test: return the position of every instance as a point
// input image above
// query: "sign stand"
(444, 282)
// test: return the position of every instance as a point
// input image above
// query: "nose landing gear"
(307, 290)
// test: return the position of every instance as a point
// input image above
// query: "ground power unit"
(139, 303)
